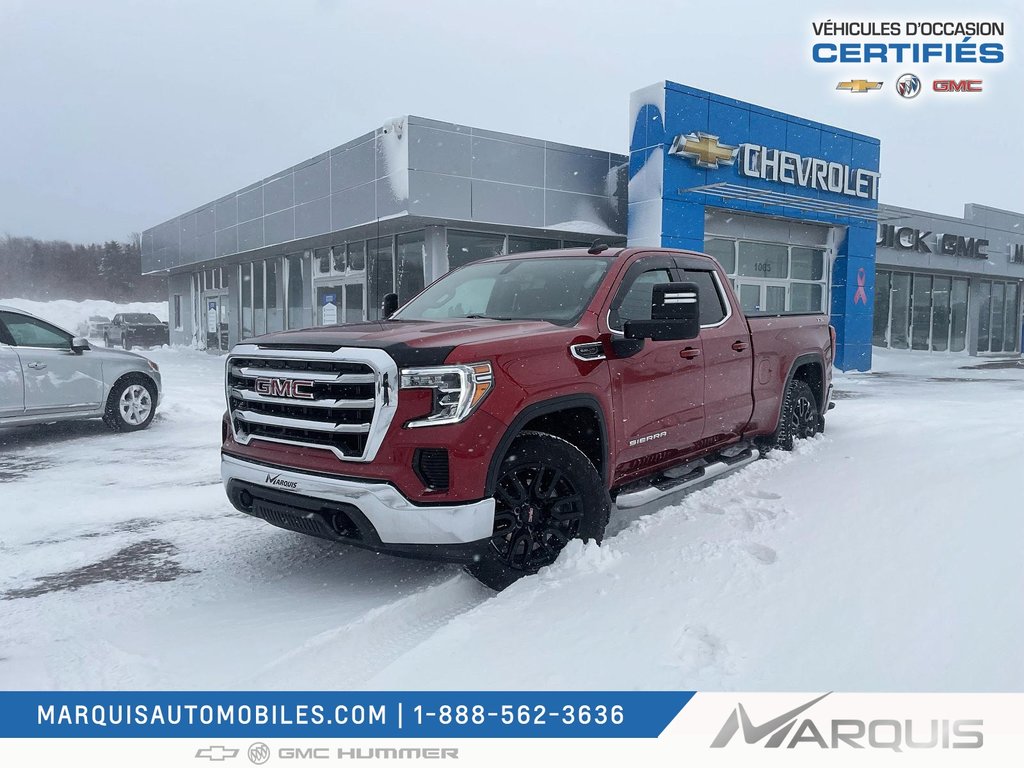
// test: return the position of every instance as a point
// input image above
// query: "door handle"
(739, 346)
(689, 353)
(36, 366)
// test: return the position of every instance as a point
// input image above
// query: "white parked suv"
(47, 374)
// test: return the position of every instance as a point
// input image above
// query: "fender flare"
(542, 408)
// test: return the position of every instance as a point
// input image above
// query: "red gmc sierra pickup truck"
(505, 409)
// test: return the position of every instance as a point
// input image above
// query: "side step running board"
(664, 486)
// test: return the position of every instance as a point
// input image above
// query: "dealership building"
(788, 206)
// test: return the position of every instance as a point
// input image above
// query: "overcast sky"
(117, 115)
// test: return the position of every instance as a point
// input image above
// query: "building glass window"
(807, 263)
(940, 313)
(467, 247)
(923, 312)
(999, 317)
(763, 260)
(750, 297)
(723, 251)
(1012, 327)
(339, 255)
(958, 316)
(880, 325)
(356, 253)
(772, 277)
(921, 317)
(322, 260)
(275, 318)
(245, 299)
(299, 294)
(177, 311)
(380, 276)
(517, 244)
(258, 300)
(411, 251)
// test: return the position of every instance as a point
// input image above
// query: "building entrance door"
(215, 321)
(341, 301)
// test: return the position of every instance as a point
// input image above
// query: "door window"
(29, 332)
(636, 303)
(712, 310)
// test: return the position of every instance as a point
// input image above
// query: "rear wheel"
(547, 494)
(131, 404)
(800, 416)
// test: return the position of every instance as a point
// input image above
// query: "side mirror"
(389, 306)
(79, 345)
(675, 315)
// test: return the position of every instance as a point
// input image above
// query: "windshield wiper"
(484, 317)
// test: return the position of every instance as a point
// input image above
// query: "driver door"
(56, 379)
(658, 391)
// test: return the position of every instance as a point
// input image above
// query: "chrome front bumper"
(395, 519)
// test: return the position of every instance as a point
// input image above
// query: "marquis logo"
(908, 86)
(704, 149)
(789, 731)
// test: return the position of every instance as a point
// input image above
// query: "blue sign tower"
(694, 154)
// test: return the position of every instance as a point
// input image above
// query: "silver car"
(47, 374)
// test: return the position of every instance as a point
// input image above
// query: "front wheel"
(131, 404)
(800, 417)
(548, 493)
(126, 342)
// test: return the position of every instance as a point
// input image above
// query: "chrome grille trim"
(251, 417)
(255, 397)
(383, 404)
(327, 378)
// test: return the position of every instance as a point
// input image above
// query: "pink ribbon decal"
(861, 297)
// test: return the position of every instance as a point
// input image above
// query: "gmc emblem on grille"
(300, 389)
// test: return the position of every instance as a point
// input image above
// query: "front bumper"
(370, 514)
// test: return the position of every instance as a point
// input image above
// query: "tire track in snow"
(355, 651)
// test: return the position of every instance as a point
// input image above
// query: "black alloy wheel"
(547, 494)
(538, 510)
(799, 419)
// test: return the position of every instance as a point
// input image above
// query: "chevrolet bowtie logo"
(216, 753)
(704, 150)
(858, 86)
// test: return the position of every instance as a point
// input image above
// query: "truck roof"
(609, 253)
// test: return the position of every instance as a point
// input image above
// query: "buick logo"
(299, 389)
(908, 86)
(259, 753)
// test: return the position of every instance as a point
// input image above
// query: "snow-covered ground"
(885, 555)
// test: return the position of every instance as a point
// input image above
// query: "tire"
(126, 342)
(131, 404)
(548, 492)
(800, 417)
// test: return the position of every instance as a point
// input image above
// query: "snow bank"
(73, 316)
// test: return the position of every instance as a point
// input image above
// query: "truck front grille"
(318, 399)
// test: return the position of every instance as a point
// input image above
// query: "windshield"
(140, 317)
(556, 290)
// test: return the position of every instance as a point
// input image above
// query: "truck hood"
(409, 342)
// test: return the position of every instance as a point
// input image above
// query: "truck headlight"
(458, 390)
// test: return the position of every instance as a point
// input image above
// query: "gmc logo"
(300, 389)
(957, 86)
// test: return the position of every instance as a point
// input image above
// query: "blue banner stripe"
(319, 714)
